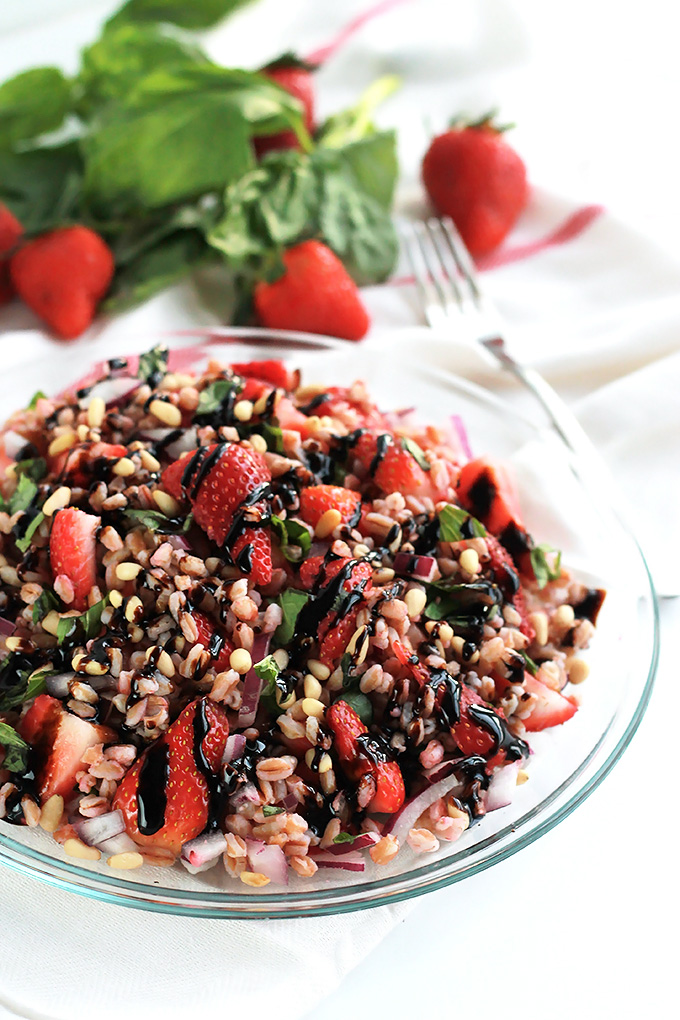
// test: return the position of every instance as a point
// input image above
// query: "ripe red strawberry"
(312, 566)
(391, 467)
(551, 709)
(60, 740)
(295, 77)
(317, 499)
(500, 562)
(486, 489)
(334, 634)
(62, 276)
(472, 175)
(77, 463)
(186, 790)
(316, 294)
(274, 372)
(221, 495)
(11, 232)
(206, 629)
(347, 727)
(73, 551)
(470, 737)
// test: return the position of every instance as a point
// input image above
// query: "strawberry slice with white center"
(551, 708)
(73, 551)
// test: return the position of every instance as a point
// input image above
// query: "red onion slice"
(422, 568)
(120, 844)
(13, 443)
(234, 747)
(269, 860)
(290, 802)
(400, 824)
(461, 433)
(204, 848)
(502, 787)
(246, 794)
(58, 686)
(352, 861)
(96, 830)
(196, 869)
(360, 842)
(252, 686)
(188, 440)
(7, 627)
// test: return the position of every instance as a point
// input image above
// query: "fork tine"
(449, 267)
(462, 257)
(428, 295)
(430, 260)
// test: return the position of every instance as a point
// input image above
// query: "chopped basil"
(23, 495)
(452, 519)
(545, 569)
(33, 403)
(16, 758)
(45, 603)
(153, 365)
(214, 395)
(35, 468)
(29, 683)
(90, 622)
(273, 437)
(291, 602)
(361, 705)
(344, 837)
(156, 521)
(463, 604)
(268, 810)
(24, 542)
(419, 457)
(295, 539)
(532, 667)
(267, 669)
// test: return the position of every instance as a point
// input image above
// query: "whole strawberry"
(295, 77)
(316, 294)
(62, 276)
(10, 234)
(472, 175)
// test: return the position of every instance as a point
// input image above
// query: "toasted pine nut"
(281, 658)
(95, 412)
(124, 467)
(312, 686)
(243, 410)
(469, 561)
(327, 523)
(325, 763)
(166, 665)
(76, 848)
(240, 660)
(77, 661)
(522, 777)
(50, 816)
(149, 461)
(415, 600)
(134, 610)
(564, 616)
(115, 598)
(166, 412)
(254, 878)
(317, 669)
(59, 499)
(579, 670)
(310, 706)
(13, 644)
(445, 634)
(126, 861)
(166, 503)
(258, 443)
(539, 621)
(61, 443)
(96, 668)
(127, 571)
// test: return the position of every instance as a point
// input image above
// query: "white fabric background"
(576, 922)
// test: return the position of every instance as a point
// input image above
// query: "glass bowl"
(559, 507)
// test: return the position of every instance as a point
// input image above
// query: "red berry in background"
(295, 77)
(11, 232)
(62, 276)
(472, 175)
(316, 294)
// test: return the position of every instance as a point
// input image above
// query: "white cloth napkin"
(599, 314)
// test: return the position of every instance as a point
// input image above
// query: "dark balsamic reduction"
(481, 495)
(590, 605)
(314, 403)
(515, 748)
(382, 444)
(217, 792)
(516, 541)
(375, 748)
(152, 789)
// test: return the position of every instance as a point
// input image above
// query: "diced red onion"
(502, 787)
(360, 842)
(178, 542)
(58, 686)
(268, 859)
(442, 770)
(460, 431)
(422, 568)
(120, 844)
(102, 827)
(234, 747)
(246, 794)
(400, 823)
(13, 443)
(290, 802)
(204, 848)
(252, 685)
(7, 628)
(111, 390)
(187, 441)
(196, 869)
(352, 861)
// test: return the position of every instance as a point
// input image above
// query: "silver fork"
(450, 294)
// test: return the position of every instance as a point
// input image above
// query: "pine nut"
(327, 523)
(258, 443)
(539, 621)
(446, 634)
(13, 644)
(285, 701)
(280, 657)
(312, 686)
(166, 412)
(325, 763)
(317, 669)
(166, 665)
(60, 498)
(522, 777)
(240, 660)
(166, 503)
(457, 644)
(62, 443)
(126, 861)
(254, 878)
(357, 638)
(134, 610)
(95, 412)
(115, 598)
(93, 668)
(564, 616)
(149, 461)
(76, 848)
(361, 550)
(469, 561)
(82, 432)
(261, 405)
(77, 660)
(313, 707)
(124, 467)
(243, 410)
(128, 571)
(50, 816)
(415, 600)
(579, 670)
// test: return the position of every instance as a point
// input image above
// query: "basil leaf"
(213, 396)
(24, 542)
(532, 667)
(35, 468)
(33, 403)
(23, 495)
(295, 539)
(156, 267)
(153, 365)
(361, 705)
(31, 104)
(90, 622)
(273, 437)
(16, 758)
(291, 602)
(344, 837)
(267, 669)
(452, 520)
(154, 520)
(268, 810)
(194, 15)
(42, 186)
(66, 627)
(419, 457)
(44, 604)
(545, 569)
(355, 123)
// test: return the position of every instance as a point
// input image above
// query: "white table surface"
(578, 923)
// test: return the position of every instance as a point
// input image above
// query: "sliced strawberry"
(73, 551)
(60, 740)
(290, 418)
(391, 467)
(347, 727)
(222, 501)
(206, 632)
(313, 566)
(488, 492)
(184, 794)
(274, 372)
(77, 465)
(505, 575)
(551, 709)
(317, 499)
(334, 634)
(470, 737)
